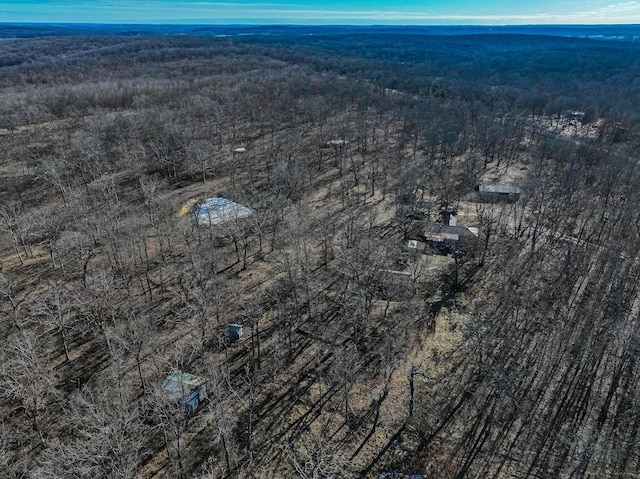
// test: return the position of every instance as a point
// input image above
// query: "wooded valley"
(316, 340)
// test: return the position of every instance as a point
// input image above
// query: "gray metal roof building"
(215, 211)
(498, 193)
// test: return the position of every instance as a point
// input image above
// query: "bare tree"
(56, 309)
(11, 290)
(17, 224)
(28, 377)
(107, 438)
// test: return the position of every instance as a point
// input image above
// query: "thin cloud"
(624, 6)
(628, 12)
(254, 11)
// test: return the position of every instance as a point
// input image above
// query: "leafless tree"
(17, 223)
(56, 310)
(28, 377)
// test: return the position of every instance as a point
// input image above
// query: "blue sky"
(358, 12)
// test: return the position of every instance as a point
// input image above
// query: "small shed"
(416, 246)
(497, 193)
(337, 142)
(215, 211)
(185, 389)
(234, 332)
(448, 215)
(399, 475)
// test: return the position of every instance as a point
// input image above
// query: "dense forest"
(354, 354)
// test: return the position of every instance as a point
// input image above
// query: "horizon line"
(356, 25)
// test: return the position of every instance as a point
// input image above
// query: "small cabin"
(234, 332)
(498, 193)
(447, 238)
(576, 115)
(185, 389)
